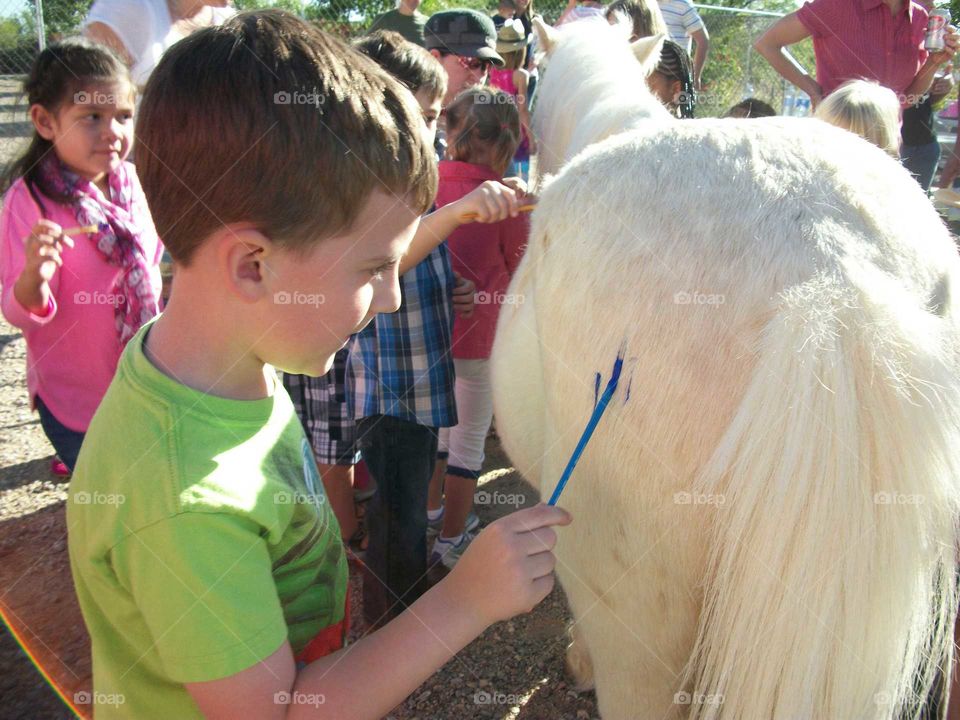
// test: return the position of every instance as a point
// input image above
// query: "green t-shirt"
(200, 539)
(410, 26)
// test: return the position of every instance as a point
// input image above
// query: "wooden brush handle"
(470, 217)
(80, 230)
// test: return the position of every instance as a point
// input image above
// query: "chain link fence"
(735, 71)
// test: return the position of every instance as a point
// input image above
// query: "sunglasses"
(471, 63)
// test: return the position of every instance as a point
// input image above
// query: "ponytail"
(484, 124)
(675, 65)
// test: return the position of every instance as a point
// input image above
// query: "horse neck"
(592, 107)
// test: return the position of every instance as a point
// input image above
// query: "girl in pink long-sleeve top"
(77, 297)
(483, 132)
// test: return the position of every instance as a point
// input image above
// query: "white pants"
(474, 397)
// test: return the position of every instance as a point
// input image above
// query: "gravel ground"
(513, 671)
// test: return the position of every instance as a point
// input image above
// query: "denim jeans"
(921, 161)
(400, 456)
(66, 442)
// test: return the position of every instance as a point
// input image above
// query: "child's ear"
(42, 120)
(677, 88)
(242, 252)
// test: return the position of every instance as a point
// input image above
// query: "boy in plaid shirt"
(400, 376)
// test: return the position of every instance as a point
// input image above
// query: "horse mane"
(593, 87)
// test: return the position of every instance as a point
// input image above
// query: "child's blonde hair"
(644, 15)
(867, 109)
(483, 126)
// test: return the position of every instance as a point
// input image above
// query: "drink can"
(937, 23)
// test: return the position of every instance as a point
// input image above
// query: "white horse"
(765, 522)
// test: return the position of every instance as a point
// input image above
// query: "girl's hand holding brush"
(42, 256)
(491, 202)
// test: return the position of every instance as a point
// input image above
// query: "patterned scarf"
(118, 237)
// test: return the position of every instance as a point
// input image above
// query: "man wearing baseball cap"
(465, 43)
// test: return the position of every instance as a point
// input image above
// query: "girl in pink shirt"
(483, 132)
(79, 295)
(515, 81)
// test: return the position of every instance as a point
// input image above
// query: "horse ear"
(547, 36)
(647, 51)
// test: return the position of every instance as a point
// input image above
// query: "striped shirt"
(682, 20)
(861, 39)
(582, 12)
(401, 363)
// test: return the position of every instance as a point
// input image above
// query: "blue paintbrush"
(591, 425)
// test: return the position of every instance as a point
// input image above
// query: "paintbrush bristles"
(80, 230)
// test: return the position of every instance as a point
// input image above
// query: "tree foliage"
(62, 17)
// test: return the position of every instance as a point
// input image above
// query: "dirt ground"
(513, 671)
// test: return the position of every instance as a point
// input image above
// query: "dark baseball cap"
(463, 32)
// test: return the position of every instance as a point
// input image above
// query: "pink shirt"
(486, 253)
(503, 79)
(72, 351)
(860, 39)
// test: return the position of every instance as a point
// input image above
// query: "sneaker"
(58, 468)
(435, 526)
(447, 552)
(364, 494)
(473, 522)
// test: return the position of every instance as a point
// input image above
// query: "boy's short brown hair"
(268, 120)
(408, 62)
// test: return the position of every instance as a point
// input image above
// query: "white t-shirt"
(682, 19)
(145, 28)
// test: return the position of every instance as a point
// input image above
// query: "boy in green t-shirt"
(286, 174)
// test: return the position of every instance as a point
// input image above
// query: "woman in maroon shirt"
(880, 40)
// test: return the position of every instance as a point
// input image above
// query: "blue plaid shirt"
(401, 363)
